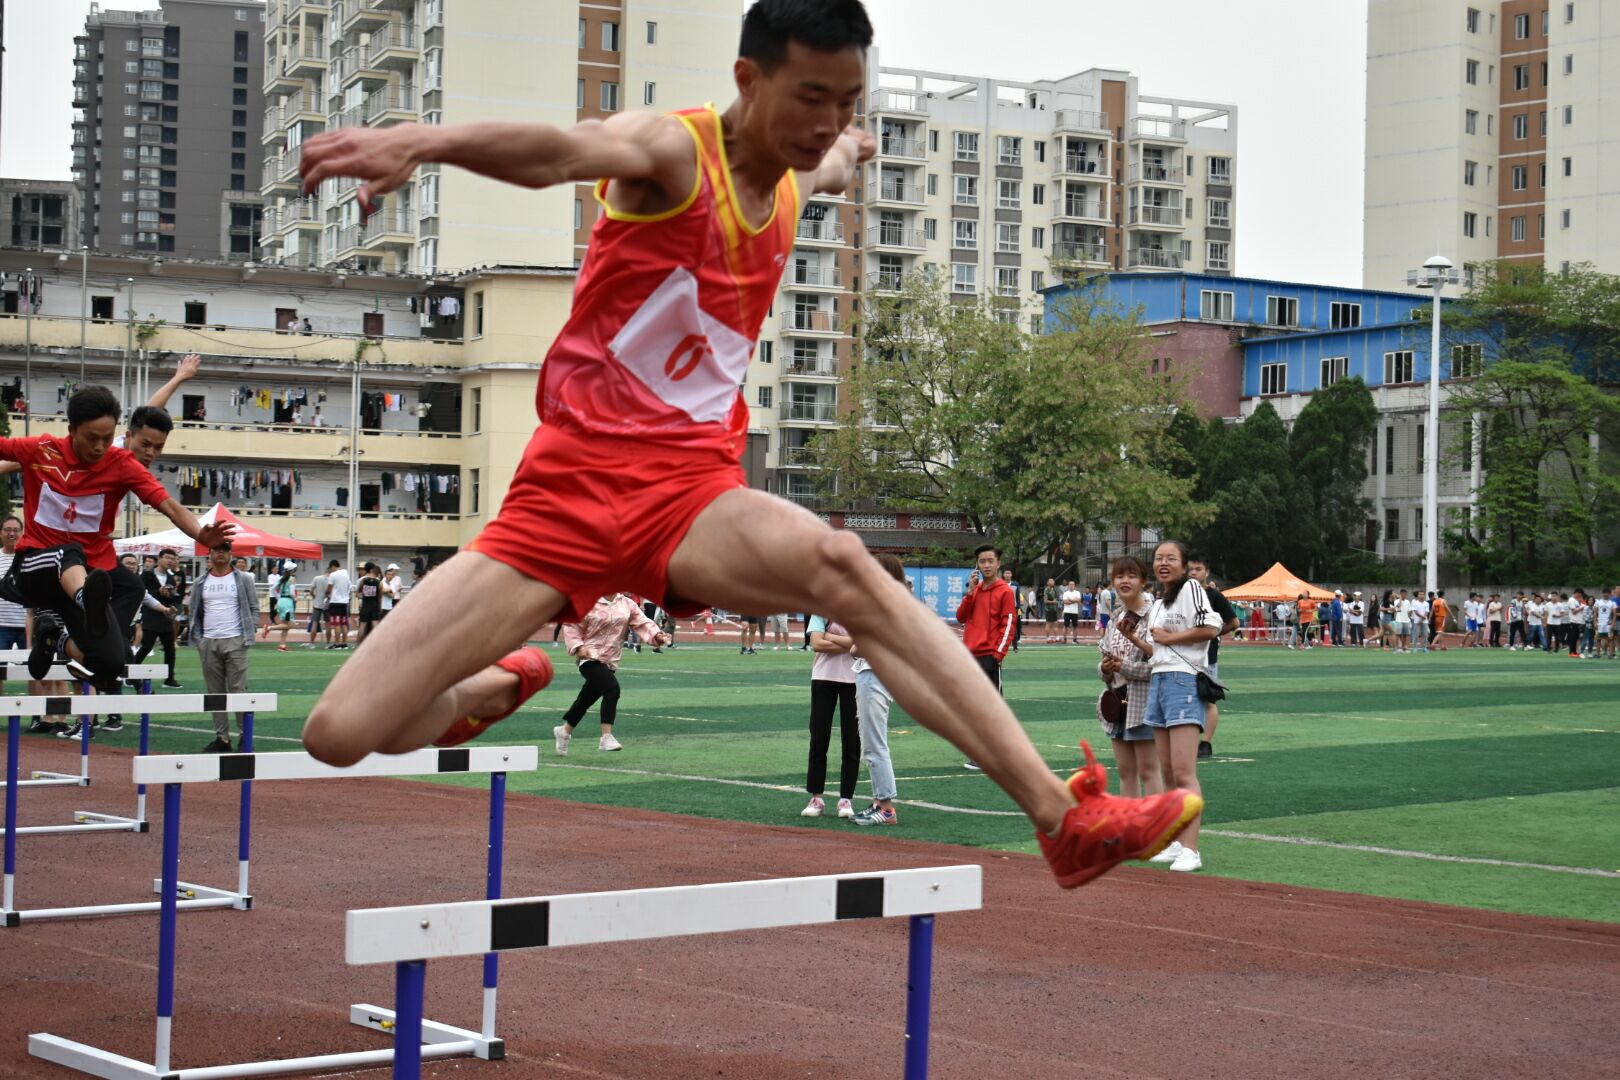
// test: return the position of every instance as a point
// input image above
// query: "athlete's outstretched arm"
(837, 171)
(188, 367)
(627, 146)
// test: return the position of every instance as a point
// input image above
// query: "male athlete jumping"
(633, 482)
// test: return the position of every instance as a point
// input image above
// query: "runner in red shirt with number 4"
(633, 481)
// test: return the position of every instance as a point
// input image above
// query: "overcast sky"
(1295, 70)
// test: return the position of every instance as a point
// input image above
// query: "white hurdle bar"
(408, 937)
(197, 896)
(11, 671)
(173, 773)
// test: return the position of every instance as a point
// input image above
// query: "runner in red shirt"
(633, 480)
(72, 489)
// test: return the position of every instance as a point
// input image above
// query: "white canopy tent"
(173, 539)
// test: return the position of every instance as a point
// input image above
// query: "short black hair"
(823, 25)
(153, 417)
(982, 548)
(168, 551)
(1197, 557)
(12, 517)
(333, 563)
(91, 403)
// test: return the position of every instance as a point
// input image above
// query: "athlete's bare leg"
(750, 551)
(431, 663)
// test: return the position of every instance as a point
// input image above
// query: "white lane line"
(1300, 841)
(1305, 841)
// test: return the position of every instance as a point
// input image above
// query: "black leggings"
(824, 696)
(151, 635)
(601, 684)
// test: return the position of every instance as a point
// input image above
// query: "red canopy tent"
(250, 540)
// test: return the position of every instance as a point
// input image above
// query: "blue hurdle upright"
(408, 937)
(173, 773)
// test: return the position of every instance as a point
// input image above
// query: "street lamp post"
(84, 303)
(28, 355)
(1436, 274)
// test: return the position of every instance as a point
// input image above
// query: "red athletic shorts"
(590, 515)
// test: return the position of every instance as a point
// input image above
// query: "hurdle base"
(89, 821)
(91, 1060)
(44, 778)
(194, 894)
(380, 1019)
(149, 907)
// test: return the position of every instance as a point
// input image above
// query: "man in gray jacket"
(223, 618)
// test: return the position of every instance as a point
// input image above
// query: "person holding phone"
(989, 617)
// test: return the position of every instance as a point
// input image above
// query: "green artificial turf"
(1486, 779)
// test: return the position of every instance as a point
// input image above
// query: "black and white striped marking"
(212, 768)
(431, 931)
(137, 703)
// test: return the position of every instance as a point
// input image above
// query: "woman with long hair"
(1176, 634)
(1125, 667)
(872, 701)
(596, 643)
(832, 688)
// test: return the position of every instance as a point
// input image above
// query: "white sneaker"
(817, 807)
(608, 742)
(845, 808)
(562, 736)
(1169, 854)
(1188, 861)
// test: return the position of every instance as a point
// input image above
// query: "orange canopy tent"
(1278, 583)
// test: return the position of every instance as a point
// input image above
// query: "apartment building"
(1486, 134)
(40, 214)
(167, 109)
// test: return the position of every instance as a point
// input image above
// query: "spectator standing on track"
(1355, 618)
(1198, 570)
(222, 625)
(1052, 609)
(1403, 623)
(987, 614)
(1336, 619)
(1580, 616)
(13, 617)
(1125, 665)
(165, 584)
(872, 702)
(1419, 622)
(316, 628)
(1606, 616)
(338, 590)
(1071, 614)
(1177, 633)
(1386, 618)
(369, 589)
(1493, 620)
(1555, 614)
(393, 588)
(832, 686)
(1106, 601)
(1517, 632)
(596, 643)
(1535, 615)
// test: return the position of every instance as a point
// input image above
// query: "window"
(1467, 360)
(1006, 281)
(1009, 150)
(1518, 229)
(238, 97)
(478, 313)
(965, 235)
(1487, 224)
(1282, 311)
(1220, 213)
(1037, 280)
(1569, 115)
(579, 93)
(1220, 170)
(1218, 255)
(133, 67)
(1490, 74)
(1473, 21)
(1471, 72)
(930, 229)
(1006, 236)
(610, 37)
(1392, 517)
(1007, 197)
(239, 76)
(1037, 194)
(1037, 237)
(1521, 126)
(765, 348)
(1544, 79)
(1398, 367)
(1417, 516)
(238, 161)
(967, 146)
(131, 45)
(1040, 150)
(967, 191)
(1521, 177)
(128, 175)
(473, 491)
(933, 183)
(1521, 27)
(649, 93)
(610, 97)
(1564, 218)
(1569, 166)
(933, 140)
(1334, 368)
(1471, 122)
(1373, 446)
(1490, 123)
(1569, 13)
(1521, 76)
(1470, 223)
(1541, 175)
(1273, 378)
(1215, 306)
(652, 33)
(1470, 172)
(579, 213)
(764, 397)
(1541, 226)
(582, 33)
(1344, 316)
(477, 412)
(964, 278)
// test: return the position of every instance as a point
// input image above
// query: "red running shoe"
(1106, 830)
(534, 671)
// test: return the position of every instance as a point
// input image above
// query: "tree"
(954, 407)
(1328, 444)
(1262, 514)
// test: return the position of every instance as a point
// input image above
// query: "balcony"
(1073, 254)
(306, 59)
(355, 67)
(1163, 217)
(811, 322)
(290, 163)
(810, 412)
(1080, 120)
(364, 16)
(894, 236)
(273, 133)
(897, 191)
(340, 243)
(1071, 208)
(1091, 168)
(296, 214)
(825, 231)
(393, 49)
(394, 105)
(908, 102)
(800, 457)
(278, 76)
(307, 10)
(817, 367)
(1156, 129)
(898, 147)
(274, 177)
(353, 116)
(887, 281)
(330, 526)
(1153, 172)
(1153, 259)
(302, 107)
(388, 228)
(803, 277)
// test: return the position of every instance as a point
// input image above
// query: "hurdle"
(175, 772)
(10, 671)
(197, 896)
(408, 937)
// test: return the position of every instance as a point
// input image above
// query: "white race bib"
(70, 513)
(681, 353)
